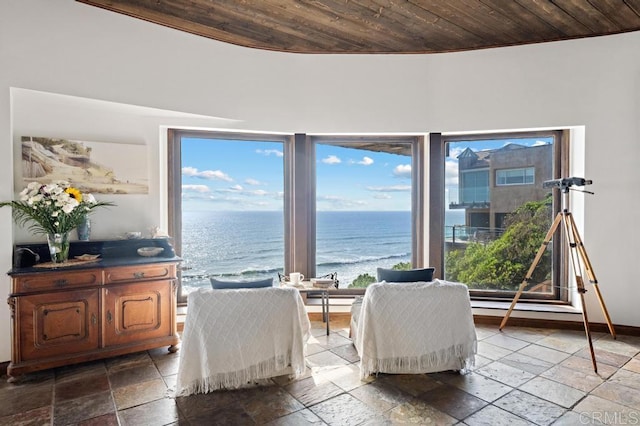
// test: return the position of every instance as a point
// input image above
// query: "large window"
(230, 202)
(244, 205)
(497, 212)
(520, 176)
(474, 186)
(363, 209)
(249, 205)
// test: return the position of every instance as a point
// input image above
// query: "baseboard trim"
(562, 325)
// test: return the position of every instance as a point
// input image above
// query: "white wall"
(71, 49)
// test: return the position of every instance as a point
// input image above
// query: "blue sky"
(241, 175)
(233, 175)
(354, 179)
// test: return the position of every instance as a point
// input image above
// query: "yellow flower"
(75, 193)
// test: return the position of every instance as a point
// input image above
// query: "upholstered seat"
(420, 327)
(233, 337)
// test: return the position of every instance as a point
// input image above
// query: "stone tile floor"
(523, 376)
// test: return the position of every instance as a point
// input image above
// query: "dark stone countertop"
(122, 252)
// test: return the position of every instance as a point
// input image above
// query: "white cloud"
(382, 196)
(268, 152)
(402, 170)
(390, 188)
(539, 143)
(214, 175)
(250, 181)
(189, 171)
(335, 202)
(195, 188)
(206, 174)
(366, 161)
(454, 152)
(239, 190)
(451, 172)
(332, 159)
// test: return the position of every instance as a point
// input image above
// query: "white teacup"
(296, 277)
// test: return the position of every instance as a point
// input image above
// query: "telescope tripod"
(579, 258)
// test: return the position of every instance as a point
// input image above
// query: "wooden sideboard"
(68, 315)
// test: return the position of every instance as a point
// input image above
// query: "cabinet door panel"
(58, 323)
(136, 311)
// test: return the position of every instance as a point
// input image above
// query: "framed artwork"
(95, 167)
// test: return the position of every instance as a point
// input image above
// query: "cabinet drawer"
(57, 281)
(140, 273)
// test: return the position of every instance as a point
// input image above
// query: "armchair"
(413, 328)
(233, 337)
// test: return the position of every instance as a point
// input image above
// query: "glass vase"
(58, 247)
(84, 229)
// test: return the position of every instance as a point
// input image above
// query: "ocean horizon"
(250, 244)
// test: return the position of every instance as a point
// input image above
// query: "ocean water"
(250, 244)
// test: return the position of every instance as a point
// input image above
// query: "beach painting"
(95, 167)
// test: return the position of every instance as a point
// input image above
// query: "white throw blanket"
(233, 337)
(415, 328)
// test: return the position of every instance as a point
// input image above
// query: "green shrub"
(502, 264)
(362, 281)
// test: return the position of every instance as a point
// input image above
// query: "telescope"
(565, 183)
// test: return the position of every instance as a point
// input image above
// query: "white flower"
(52, 188)
(53, 207)
(68, 207)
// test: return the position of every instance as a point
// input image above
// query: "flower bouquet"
(54, 210)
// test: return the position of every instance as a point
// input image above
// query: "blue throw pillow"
(405, 276)
(220, 284)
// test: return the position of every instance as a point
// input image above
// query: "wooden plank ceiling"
(385, 26)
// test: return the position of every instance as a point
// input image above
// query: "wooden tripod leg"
(513, 303)
(589, 270)
(532, 268)
(570, 235)
(585, 319)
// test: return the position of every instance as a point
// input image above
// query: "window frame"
(418, 187)
(174, 184)
(524, 176)
(464, 188)
(428, 193)
(437, 155)
(299, 200)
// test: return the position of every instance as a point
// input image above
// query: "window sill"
(524, 307)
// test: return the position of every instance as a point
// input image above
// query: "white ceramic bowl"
(150, 251)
